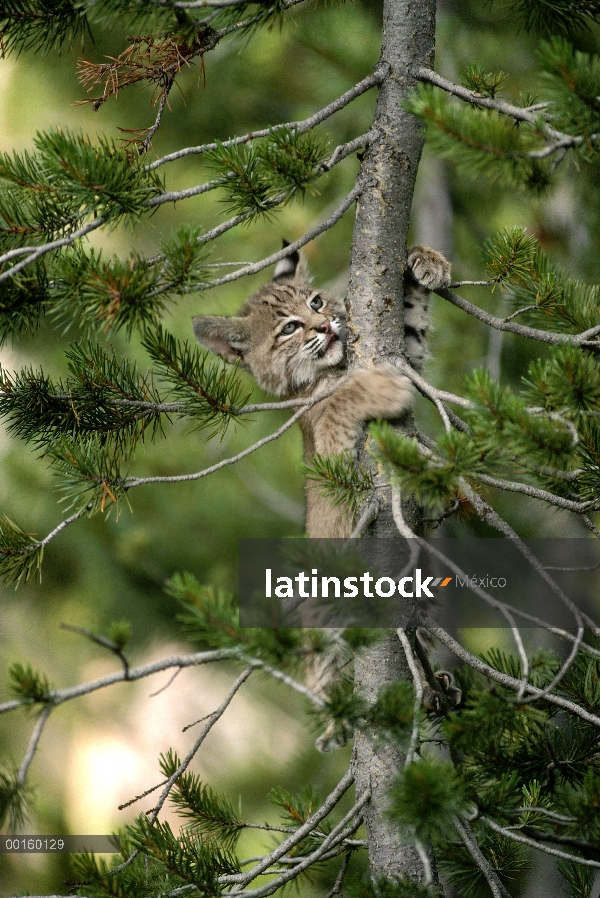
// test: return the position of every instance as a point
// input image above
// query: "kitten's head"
(287, 333)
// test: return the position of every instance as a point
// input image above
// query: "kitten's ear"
(292, 267)
(228, 337)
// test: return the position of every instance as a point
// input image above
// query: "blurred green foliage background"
(105, 569)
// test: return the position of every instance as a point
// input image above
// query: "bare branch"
(368, 514)
(430, 391)
(347, 825)
(492, 517)
(33, 743)
(532, 333)
(330, 802)
(145, 144)
(300, 127)
(316, 700)
(517, 837)
(464, 831)
(292, 247)
(36, 253)
(340, 153)
(536, 493)
(418, 688)
(496, 603)
(214, 717)
(518, 113)
(337, 886)
(58, 696)
(134, 482)
(100, 640)
(510, 682)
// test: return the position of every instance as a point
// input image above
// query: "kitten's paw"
(384, 391)
(428, 268)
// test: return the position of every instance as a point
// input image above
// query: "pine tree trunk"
(376, 313)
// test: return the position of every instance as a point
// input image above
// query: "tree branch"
(464, 830)
(535, 493)
(555, 852)
(58, 696)
(532, 333)
(518, 113)
(504, 679)
(300, 127)
(303, 831)
(291, 248)
(134, 482)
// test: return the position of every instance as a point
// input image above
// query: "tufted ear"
(228, 337)
(286, 267)
(292, 267)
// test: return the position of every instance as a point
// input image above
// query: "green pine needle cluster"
(84, 290)
(28, 685)
(503, 426)
(211, 619)
(15, 801)
(486, 84)
(258, 12)
(340, 479)
(20, 553)
(98, 294)
(90, 474)
(296, 809)
(22, 302)
(434, 482)
(211, 389)
(188, 857)
(65, 184)
(276, 169)
(91, 402)
(210, 616)
(425, 797)
(546, 761)
(481, 140)
(561, 303)
(569, 380)
(579, 879)
(536, 435)
(573, 83)
(508, 860)
(41, 24)
(388, 719)
(548, 17)
(119, 633)
(589, 454)
(485, 141)
(210, 815)
(510, 256)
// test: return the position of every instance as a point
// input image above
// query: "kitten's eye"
(289, 328)
(316, 303)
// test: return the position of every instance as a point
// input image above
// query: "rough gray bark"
(388, 172)
(375, 299)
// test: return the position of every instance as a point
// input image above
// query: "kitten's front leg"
(368, 393)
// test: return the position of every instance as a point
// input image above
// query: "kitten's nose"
(324, 327)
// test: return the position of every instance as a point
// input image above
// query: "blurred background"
(102, 750)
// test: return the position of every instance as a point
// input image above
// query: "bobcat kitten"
(292, 338)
